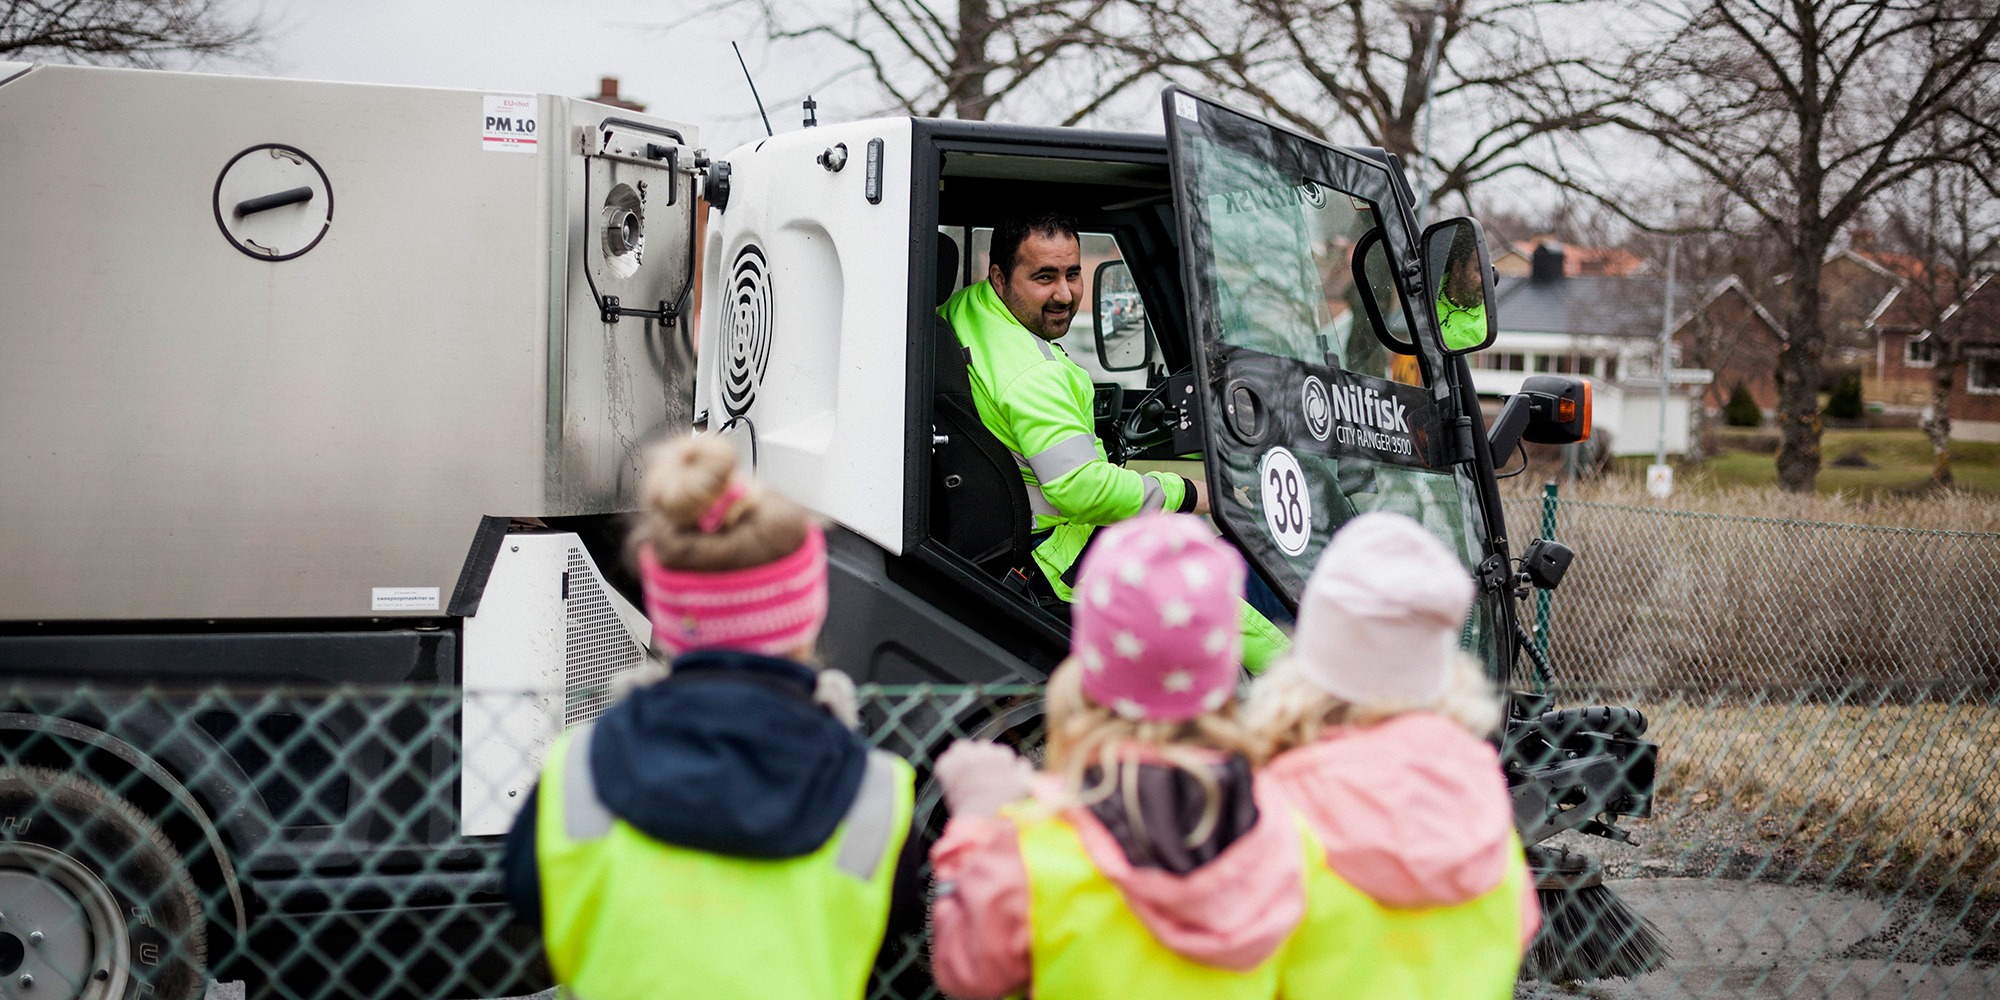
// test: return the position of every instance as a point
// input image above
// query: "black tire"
(68, 846)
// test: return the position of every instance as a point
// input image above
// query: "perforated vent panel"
(596, 646)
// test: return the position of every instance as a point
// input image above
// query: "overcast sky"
(681, 67)
(672, 55)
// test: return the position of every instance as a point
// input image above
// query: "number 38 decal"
(1287, 504)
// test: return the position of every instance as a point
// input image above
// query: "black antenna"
(753, 90)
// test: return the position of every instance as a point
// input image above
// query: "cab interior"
(1124, 209)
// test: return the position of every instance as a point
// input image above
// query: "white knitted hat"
(1380, 618)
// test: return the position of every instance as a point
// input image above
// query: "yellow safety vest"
(1086, 943)
(1352, 947)
(626, 917)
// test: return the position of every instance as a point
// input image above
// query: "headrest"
(947, 267)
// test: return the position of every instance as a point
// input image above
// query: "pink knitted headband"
(770, 609)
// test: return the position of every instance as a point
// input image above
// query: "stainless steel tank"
(272, 348)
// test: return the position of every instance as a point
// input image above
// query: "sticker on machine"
(1318, 408)
(404, 599)
(510, 124)
(1287, 503)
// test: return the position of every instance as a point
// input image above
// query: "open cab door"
(1320, 398)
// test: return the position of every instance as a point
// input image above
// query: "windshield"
(1313, 419)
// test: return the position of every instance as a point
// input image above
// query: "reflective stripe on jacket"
(1086, 942)
(1352, 946)
(627, 917)
(1038, 403)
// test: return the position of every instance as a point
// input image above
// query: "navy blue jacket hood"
(728, 755)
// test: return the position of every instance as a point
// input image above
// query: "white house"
(1604, 328)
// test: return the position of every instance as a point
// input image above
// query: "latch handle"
(270, 201)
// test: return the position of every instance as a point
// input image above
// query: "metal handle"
(271, 201)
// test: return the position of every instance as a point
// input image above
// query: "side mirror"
(1118, 319)
(1458, 281)
(1549, 409)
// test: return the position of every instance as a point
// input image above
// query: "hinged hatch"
(1317, 401)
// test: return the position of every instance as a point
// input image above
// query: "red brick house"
(1906, 356)
(1735, 337)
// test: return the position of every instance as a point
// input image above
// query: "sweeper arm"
(1579, 769)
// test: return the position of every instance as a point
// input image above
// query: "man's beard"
(1054, 327)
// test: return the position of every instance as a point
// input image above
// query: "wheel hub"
(62, 933)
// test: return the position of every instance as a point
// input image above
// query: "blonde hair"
(1083, 734)
(684, 479)
(1287, 710)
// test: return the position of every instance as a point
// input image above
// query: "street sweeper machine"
(253, 440)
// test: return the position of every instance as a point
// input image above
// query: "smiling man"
(1037, 401)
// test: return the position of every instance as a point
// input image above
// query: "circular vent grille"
(747, 339)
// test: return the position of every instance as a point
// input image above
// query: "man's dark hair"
(1012, 231)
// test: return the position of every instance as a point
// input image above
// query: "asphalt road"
(1751, 940)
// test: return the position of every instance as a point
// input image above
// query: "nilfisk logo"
(1368, 418)
(1307, 193)
(1374, 418)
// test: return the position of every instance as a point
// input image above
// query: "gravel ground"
(1753, 909)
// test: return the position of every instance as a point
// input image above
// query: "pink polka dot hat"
(1157, 631)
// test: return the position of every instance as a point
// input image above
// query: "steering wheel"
(1145, 425)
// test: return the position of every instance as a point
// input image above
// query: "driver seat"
(979, 508)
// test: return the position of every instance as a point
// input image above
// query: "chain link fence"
(1824, 696)
(1827, 818)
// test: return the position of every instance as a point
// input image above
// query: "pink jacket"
(1233, 912)
(1412, 811)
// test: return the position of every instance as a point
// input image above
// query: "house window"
(1513, 362)
(1586, 365)
(1610, 369)
(1919, 352)
(1566, 364)
(1982, 373)
(1543, 363)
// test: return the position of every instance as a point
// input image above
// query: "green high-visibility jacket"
(1037, 401)
(1462, 327)
(626, 917)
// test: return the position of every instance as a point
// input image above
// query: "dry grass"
(1900, 799)
(1744, 597)
(1942, 510)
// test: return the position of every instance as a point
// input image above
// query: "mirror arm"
(1513, 420)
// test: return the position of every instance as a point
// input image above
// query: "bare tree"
(1805, 111)
(962, 58)
(1947, 219)
(129, 32)
(1378, 71)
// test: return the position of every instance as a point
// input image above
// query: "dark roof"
(1981, 325)
(1587, 306)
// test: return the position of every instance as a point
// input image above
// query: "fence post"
(1542, 597)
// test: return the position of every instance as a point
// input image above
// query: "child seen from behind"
(1377, 724)
(1147, 862)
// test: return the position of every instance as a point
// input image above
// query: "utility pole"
(1660, 477)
